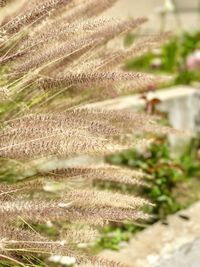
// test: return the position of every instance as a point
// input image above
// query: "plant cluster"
(173, 186)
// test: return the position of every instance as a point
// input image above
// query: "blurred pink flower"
(193, 60)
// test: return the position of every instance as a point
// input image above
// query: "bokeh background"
(173, 239)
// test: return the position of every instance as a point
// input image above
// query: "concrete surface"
(182, 103)
(174, 245)
(187, 256)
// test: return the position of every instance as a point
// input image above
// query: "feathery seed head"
(53, 62)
